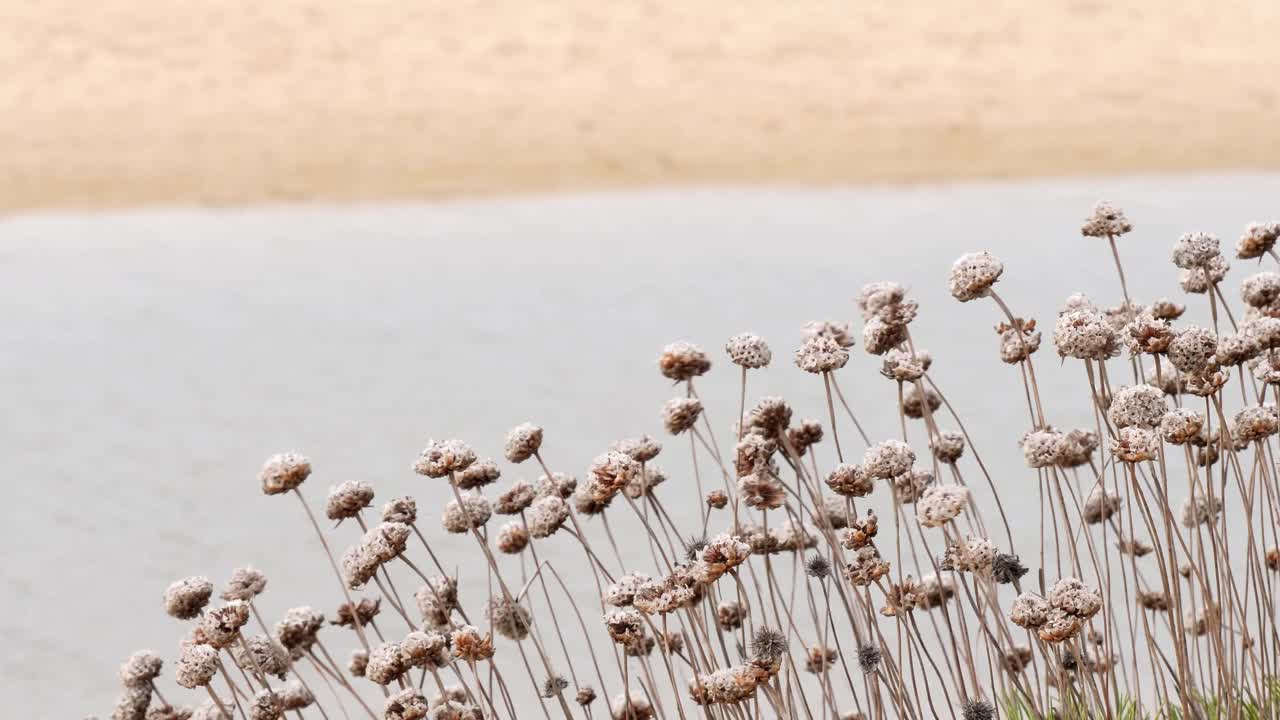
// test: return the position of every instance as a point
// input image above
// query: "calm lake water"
(151, 360)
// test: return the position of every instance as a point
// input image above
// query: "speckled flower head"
(441, 457)
(910, 485)
(1257, 240)
(386, 663)
(878, 298)
(1199, 280)
(474, 512)
(609, 473)
(681, 414)
(1140, 405)
(509, 619)
(132, 703)
(641, 449)
(1181, 425)
(681, 361)
(140, 669)
(1261, 290)
(887, 459)
(246, 583)
(807, 432)
(347, 500)
(834, 329)
(1077, 447)
(1192, 349)
(408, 704)
(770, 417)
(940, 504)
(522, 442)
(437, 600)
(879, 337)
(400, 510)
(1071, 596)
(364, 610)
(263, 653)
(1135, 444)
(973, 274)
(298, 629)
(196, 666)
(1148, 334)
(972, 554)
(1084, 335)
(1029, 611)
(284, 472)
(1236, 349)
(512, 538)
(905, 366)
(1194, 250)
(220, 627)
(1041, 448)
(1254, 423)
(478, 474)
(1106, 220)
(820, 354)
(1166, 309)
(426, 649)
(865, 566)
(977, 709)
(515, 498)
(761, 490)
(546, 516)
(1264, 330)
(635, 707)
(918, 405)
(947, 446)
(559, 484)
(749, 351)
(185, 598)
(1018, 343)
(1100, 505)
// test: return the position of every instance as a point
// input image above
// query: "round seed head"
(1199, 280)
(440, 458)
(1194, 250)
(474, 512)
(682, 361)
(478, 474)
(821, 354)
(770, 417)
(364, 611)
(348, 499)
(513, 538)
(869, 658)
(910, 485)
(749, 351)
(1261, 290)
(1100, 505)
(1140, 405)
(1200, 510)
(1077, 446)
(1071, 596)
(1192, 349)
(1106, 221)
(1018, 343)
(221, 626)
(834, 329)
(386, 663)
(915, 405)
(298, 630)
(1042, 448)
(1029, 611)
(975, 709)
(1084, 335)
(940, 504)
(509, 619)
(1238, 348)
(1181, 425)
(140, 669)
(284, 472)
(1006, 569)
(879, 337)
(768, 643)
(886, 459)
(437, 600)
(1257, 240)
(358, 663)
(973, 274)
(196, 666)
(1254, 423)
(264, 653)
(515, 499)
(947, 446)
(1166, 309)
(522, 442)
(906, 366)
(400, 510)
(246, 583)
(546, 516)
(185, 598)
(817, 567)
(1135, 444)
(132, 703)
(680, 414)
(408, 704)
(640, 449)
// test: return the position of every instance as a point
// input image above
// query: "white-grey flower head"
(906, 366)
(298, 629)
(910, 485)
(1100, 505)
(514, 499)
(473, 512)
(834, 329)
(1017, 343)
(546, 516)
(1258, 239)
(559, 484)
(522, 442)
(1195, 250)
(1084, 335)
(437, 600)
(820, 354)
(1192, 349)
(916, 404)
(401, 510)
(849, 480)
(185, 598)
(1166, 309)
(441, 457)
(263, 653)
(1239, 348)
(1029, 611)
(509, 619)
(681, 414)
(347, 500)
(140, 669)
(682, 361)
(1199, 280)
(1135, 444)
(947, 446)
(284, 472)
(408, 704)
(973, 274)
(748, 350)
(887, 459)
(940, 504)
(1042, 448)
(1071, 596)
(641, 449)
(196, 665)
(1181, 425)
(246, 583)
(386, 663)
(1141, 405)
(1106, 221)
(879, 337)
(1261, 290)
(478, 474)
(1254, 423)
(770, 417)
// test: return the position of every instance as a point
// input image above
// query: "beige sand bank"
(128, 102)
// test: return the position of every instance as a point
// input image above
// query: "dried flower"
(358, 663)
(298, 630)
(770, 417)
(140, 669)
(880, 337)
(470, 645)
(513, 538)
(400, 510)
(910, 485)
(834, 329)
(522, 442)
(477, 475)
(474, 512)
(515, 499)
(1071, 596)
(866, 567)
(808, 432)
(364, 611)
(510, 619)
(1041, 448)
(971, 554)
(185, 598)
(1199, 280)
(682, 361)
(408, 704)
(762, 491)
(940, 504)
(850, 481)
(1153, 600)
(906, 366)
(729, 615)
(932, 591)
(768, 643)
(976, 709)
(820, 659)
(263, 653)
(1236, 349)
(437, 600)
(609, 473)
(196, 666)
(1194, 250)
(1077, 446)
(1014, 660)
(1200, 510)
(1137, 405)
(681, 414)
(1254, 423)
(553, 685)
(821, 354)
(284, 472)
(973, 274)
(717, 499)
(1006, 569)
(348, 499)
(630, 708)
(132, 703)
(1192, 349)
(386, 663)
(585, 696)
(913, 406)
(440, 458)
(1100, 505)
(428, 649)
(641, 449)
(1082, 334)
(1181, 425)
(722, 553)
(1106, 221)
(1029, 611)
(1134, 444)
(817, 567)
(888, 458)
(861, 531)
(221, 626)
(1257, 240)
(624, 625)
(748, 350)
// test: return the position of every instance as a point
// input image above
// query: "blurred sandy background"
(127, 102)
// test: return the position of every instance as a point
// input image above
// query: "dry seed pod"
(682, 361)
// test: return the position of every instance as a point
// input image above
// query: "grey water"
(151, 360)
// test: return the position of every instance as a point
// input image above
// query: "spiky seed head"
(869, 658)
(817, 567)
(768, 643)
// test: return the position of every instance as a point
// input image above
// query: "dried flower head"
(196, 666)
(284, 472)
(473, 512)
(768, 643)
(514, 499)
(132, 703)
(609, 473)
(522, 442)
(885, 300)
(1106, 221)
(140, 669)
(820, 354)
(553, 686)
(513, 538)
(717, 499)
(940, 504)
(866, 567)
(729, 615)
(1016, 659)
(1153, 600)
(1135, 444)
(585, 696)
(880, 337)
(932, 591)
(260, 652)
(348, 499)
(221, 626)
(1200, 510)
(1254, 423)
(1273, 559)
(634, 707)
(437, 600)
(834, 329)
(1077, 446)
(1137, 405)
(429, 649)
(769, 418)
(1236, 349)
(681, 414)
(819, 659)
(905, 365)
(1029, 611)
(298, 630)
(1258, 239)
(1042, 448)
(861, 531)
(886, 459)
(408, 704)
(1199, 280)
(510, 619)
(1100, 505)
(477, 475)
(917, 405)
(1192, 349)
(400, 510)
(978, 709)
(682, 361)
(1071, 596)
(470, 645)
(850, 481)
(817, 567)
(971, 554)
(440, 458)
(749, 351)
(364, 611)
(1007, 569)
(1194, 250)
(762, 491)
(358, 663)
(641, 449)
(386, 663)
(1084, 335)
(973, 274)
(185, 598)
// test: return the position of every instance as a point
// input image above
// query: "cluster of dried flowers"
(710, 627)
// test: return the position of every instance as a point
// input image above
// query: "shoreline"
(146, 104)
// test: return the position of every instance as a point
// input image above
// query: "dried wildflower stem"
(364, 642)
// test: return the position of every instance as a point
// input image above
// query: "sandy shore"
(128, 102)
